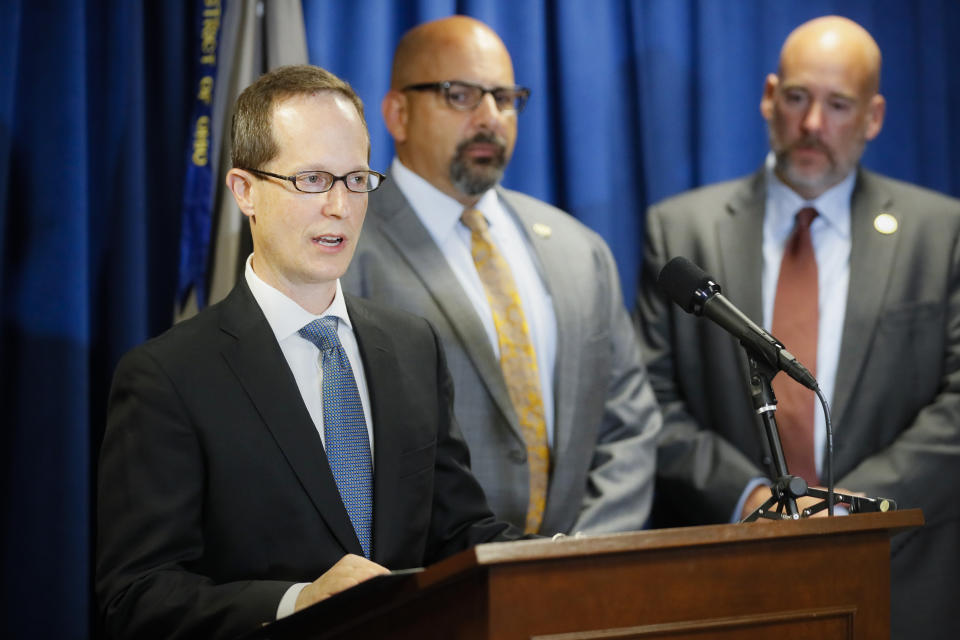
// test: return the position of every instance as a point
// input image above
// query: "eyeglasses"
(323, 181)
(465, 96)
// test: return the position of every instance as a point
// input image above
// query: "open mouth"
(329, 241)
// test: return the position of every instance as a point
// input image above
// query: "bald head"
(836, 42)
(422, 51)
(823, 106)
(460, 147)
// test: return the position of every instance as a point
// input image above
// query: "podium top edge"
(651, 540)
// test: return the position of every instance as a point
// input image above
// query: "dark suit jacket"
(896, 408)
(605, 413)
(215, 494)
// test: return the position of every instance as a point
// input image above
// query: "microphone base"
(782, 504)
(785, 490)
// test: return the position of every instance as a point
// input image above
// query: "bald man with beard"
(885, 323)
(551, 392)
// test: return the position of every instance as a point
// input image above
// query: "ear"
(875, 113)
(395, 114)
(240, 183)
(769, 90)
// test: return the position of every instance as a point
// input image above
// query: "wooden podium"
(820, 578)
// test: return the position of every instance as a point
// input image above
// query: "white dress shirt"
(830, 234)
(286, 318)
(440, 214)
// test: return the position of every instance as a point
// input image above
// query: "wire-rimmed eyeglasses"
(323, 181)
(465, 96)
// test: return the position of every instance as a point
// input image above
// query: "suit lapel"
(740, 249)
(256, 359)
(871, 267)
(404, 230)
(740, 239)
(382, 371)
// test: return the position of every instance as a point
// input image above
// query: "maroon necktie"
(795, 320)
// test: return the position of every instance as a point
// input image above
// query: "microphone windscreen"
(680, 279)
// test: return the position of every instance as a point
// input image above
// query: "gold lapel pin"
(542, 230)
(885, 224)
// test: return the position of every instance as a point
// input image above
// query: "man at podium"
(290, 441)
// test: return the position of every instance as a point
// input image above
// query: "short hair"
(251, 133)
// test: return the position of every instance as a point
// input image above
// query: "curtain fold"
(89, 102)
(636, 100)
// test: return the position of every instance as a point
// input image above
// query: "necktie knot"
(322, 332)
(805, 217)
(474, 220)
(799, 240)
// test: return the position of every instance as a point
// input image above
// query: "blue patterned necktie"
(344, 427)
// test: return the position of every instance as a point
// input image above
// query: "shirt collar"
(438, 212)
(285, 316)
(833, 205)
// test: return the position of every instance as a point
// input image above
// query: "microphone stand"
(782, 504)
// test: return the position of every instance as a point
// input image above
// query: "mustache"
(811, 142)
(483, 137)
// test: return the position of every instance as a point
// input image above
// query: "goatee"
(474, 176)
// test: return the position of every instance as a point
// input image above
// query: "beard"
(812, 182)
(474, 176)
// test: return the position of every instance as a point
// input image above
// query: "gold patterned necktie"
(795, 322)
(518, 360)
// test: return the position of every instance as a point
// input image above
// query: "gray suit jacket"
(606, 419)
(896, 406)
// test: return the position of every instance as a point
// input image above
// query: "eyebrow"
(314, 168)
(833, 95)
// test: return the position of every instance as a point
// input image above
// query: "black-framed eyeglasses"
(465, 96)
(323, 181)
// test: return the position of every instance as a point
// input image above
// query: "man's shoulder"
(532, 210)
(189, 341)
(907, 193)
(714, 196)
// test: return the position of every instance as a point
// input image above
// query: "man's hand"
(762, 493)
(349, 571)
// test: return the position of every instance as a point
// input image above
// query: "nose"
(487, 114)
(335, 203)
(813, 119)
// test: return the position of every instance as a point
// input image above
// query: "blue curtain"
(92, 113)
(632, 101)
(637, 100)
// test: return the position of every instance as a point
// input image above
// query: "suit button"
(519, 456)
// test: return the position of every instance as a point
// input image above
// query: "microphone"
(697, 293)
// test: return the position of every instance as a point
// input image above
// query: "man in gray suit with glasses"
(552, 396)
